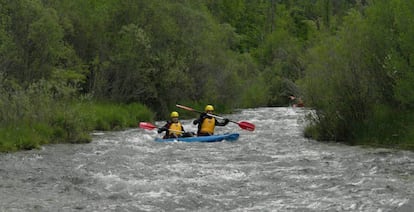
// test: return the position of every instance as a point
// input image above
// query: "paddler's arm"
(164, 128)
(200, 119)
(224, 123)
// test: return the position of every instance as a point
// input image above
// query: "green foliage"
(359, 79)
(130, 77)
(399, 62)
(347, 56)
(255, 95)
(134, 50)
(157, 52)
(386, 127)
(20, 138)
(34, 45)
(71, 124)
(110, 116)
(46, 112)
(339, 82)
(404, 90)
(247, 17)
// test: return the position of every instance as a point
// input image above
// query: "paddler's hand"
(226, 121)
(160, 130)
(204, 115)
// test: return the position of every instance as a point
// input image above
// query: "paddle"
(149, 126)
(243, 124)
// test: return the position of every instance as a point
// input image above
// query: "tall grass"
(111, 116)
(72, 123)
(45, 113)
(384, 127)
(387, 127)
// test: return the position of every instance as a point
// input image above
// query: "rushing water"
(273, 168)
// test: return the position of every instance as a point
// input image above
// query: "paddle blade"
(246, 126)
(146, 125)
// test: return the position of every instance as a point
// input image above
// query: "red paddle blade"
(246, 126)
(146, 125)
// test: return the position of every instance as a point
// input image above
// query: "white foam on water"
(270, 169)
(98, 133)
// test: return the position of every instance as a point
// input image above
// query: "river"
(273, 168)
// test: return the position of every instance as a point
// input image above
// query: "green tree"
(355, 78)
(130, 77)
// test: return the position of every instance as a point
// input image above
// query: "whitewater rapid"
(273, 168)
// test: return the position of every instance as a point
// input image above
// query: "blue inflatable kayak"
(211, 138)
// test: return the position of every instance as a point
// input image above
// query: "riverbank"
(371, 138)
(71, 123)
(384, 128)
(391, 130)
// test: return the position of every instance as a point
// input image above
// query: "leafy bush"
(45, 112)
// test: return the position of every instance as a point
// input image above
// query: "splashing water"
(273, 168)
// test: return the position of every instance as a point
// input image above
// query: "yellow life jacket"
(208, 125)
(175, 128)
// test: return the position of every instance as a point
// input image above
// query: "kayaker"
(173, 128)
(206, 123)
(296, 102)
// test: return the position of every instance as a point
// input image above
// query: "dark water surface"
(271, 169)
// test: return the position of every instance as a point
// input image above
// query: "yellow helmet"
(209, 107)
(174, 114)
